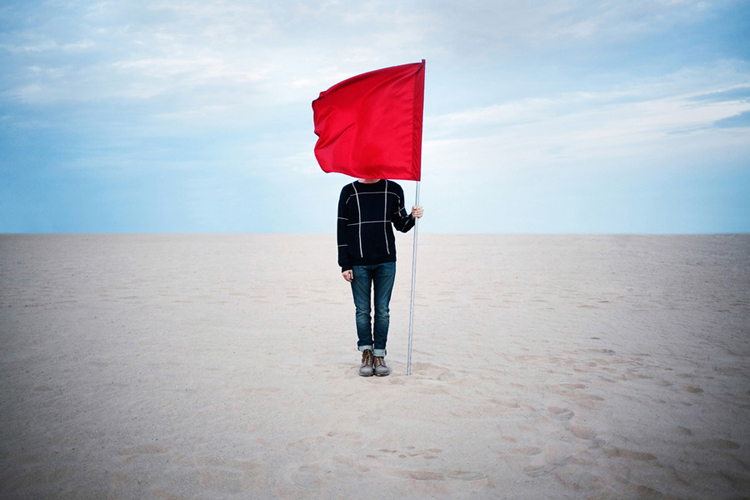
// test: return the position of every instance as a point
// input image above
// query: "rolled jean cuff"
(378, 352)
(363, 348)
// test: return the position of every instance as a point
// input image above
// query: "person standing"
(368, 211)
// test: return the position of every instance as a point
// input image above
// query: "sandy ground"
(225, 366)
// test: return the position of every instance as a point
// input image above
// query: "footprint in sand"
(572, 387)
(513, 405)
(583, 432)
(628, 454)
(602, 351)
(466, 475)
(718, 444)
(427, 475)
(432, 371)
(646, 493)
(423, 475)
(303, 476)
(427, 454)
(526, 450)
(561, 414)
(590, 401)
(554, 456)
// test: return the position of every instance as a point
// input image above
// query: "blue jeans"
(377, 277)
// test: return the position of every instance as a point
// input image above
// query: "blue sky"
(540, 117)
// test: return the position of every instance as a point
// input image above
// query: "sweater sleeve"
(402, 220)
(342, 227)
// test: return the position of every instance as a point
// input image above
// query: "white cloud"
(288, 51)
(581, 128)
(48, 46)
(500, 27)
(513, 87)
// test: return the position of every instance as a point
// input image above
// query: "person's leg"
(383, 278)
(361, 286)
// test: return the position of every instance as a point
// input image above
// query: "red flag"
(370, 126)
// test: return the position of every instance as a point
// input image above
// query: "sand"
(225, 366)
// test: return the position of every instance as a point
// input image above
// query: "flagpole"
(413, 279)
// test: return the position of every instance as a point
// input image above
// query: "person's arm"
(341, 237)
(401, 220)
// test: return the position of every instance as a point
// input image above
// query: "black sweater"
(367, 215)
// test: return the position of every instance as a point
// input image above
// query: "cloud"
(734, 94)
(286, 49)
(246, 55)
(222, 90)
(576, 129)
(737, 121)
(658, 108)
(491, 26)
(49, 46)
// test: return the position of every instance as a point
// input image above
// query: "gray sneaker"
(365, 369)
(381, 369)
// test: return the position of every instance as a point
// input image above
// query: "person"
(368, 211)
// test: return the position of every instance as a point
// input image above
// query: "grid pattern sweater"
(367, 215)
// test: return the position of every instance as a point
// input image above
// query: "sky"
(540, 117)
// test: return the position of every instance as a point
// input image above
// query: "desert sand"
(225, 366)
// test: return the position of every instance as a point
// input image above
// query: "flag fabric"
(370, 125)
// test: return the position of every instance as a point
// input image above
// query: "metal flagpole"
(413, 279)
